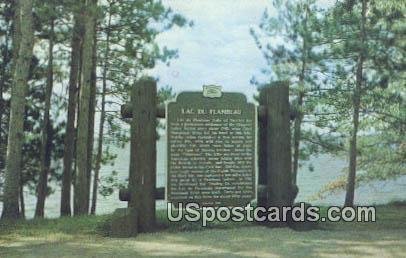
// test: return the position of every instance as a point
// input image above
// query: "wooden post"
(142, 180)
(126, 111)
(275, 145)
(262, 150)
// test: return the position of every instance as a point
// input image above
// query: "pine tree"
(296, 60)
(365, 59)
(81, 203)
(18, 97)
(70, 136)
(46, 144)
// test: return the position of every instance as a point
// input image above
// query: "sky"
(218, 49)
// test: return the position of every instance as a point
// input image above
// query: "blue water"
(326, 169)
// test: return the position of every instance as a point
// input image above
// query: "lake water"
(326, 169)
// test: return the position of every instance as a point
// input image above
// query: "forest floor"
(84, 237)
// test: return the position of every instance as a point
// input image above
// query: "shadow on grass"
(82, 237)
(250, 241)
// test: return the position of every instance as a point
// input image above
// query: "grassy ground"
(85, 237)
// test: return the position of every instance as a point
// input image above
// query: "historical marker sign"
(211, 149)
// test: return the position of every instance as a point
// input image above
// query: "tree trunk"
(349, 197)
(17, 109)
(77, 38)
(46, 147)
(102, 120)
(15, 34)
(92, 111)
(297, 133)
(297, 138)
(77, 117)
(83, 139)
(2, 106)
(2, 87)
(75, 207)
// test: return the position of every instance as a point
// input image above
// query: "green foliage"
(317, 51)
(127, 29)
(131, 28)
(382, 115)
(127, 32)
(35, 104)
(291, 43)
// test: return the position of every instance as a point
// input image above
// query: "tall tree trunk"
(17, 109)
(297, 132)
(15, 34)
(92, 111)
(75, 207)
(68, 157)
(297, 137)
(77, 117)
(3, 73)
(46, 146)
(99, 154)
(83, 139)
(349, 197)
